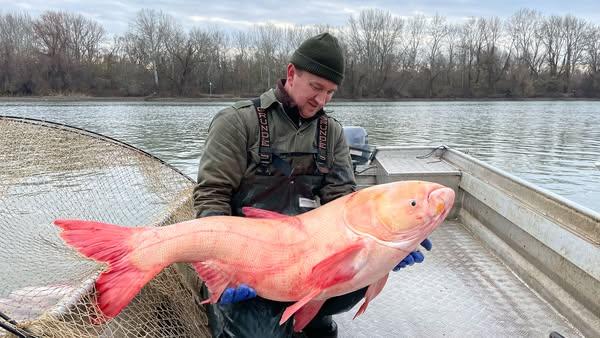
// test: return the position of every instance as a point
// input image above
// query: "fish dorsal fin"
(267, 214)
(251, 212)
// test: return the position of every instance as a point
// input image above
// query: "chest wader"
(287, 183)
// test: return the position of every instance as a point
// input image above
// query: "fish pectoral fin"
(290, 310)
(372, 292)
(216, 278)
(305, 314)
(337, 268)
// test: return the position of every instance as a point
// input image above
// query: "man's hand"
(234, 295)
(415, 256)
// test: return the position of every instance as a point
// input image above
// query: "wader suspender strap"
(264, 139)
(265, 152)
(322, 132)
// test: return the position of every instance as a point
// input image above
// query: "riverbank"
(79, 98)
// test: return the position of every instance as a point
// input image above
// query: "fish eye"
(413, 203)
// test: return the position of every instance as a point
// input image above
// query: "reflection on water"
(553, 144)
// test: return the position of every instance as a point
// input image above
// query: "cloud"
(237, 23)
(209, 19)
(115, 15)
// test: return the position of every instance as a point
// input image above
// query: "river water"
(553, 144)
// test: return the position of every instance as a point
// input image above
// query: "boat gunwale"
(594, 215)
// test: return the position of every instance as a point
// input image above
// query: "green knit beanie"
(322, 56)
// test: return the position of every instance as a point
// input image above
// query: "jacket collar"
(268, 98)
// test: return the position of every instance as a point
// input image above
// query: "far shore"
(79, 98)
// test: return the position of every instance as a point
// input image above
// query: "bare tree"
(437, 31)
(182, 51)
(494, 66)
(388, 41)
(51, 33)
(574, 31)
(386, 56)
(268, 42)
(218, 61)
(242, 61)
(479, 47)
(360, 47)
(468, 38)
(452, 42)
(525, 29)
(84, 37)
(147, 35)
(593, 50)
(373, 40)
(114, 53)
(414, 34)
(16, 50)
(553, 37)
(52, 38)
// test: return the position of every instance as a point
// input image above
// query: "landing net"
(50, 171)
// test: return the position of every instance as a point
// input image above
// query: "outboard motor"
(358, 141)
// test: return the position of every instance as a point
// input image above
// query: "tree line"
(525, 55)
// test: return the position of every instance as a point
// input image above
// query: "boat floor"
(461, 290)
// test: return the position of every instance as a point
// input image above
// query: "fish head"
(399, 214)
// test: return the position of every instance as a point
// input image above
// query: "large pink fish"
(345, 245)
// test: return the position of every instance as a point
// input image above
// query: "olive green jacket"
(231, 153)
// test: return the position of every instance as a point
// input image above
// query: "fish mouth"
(440, 200)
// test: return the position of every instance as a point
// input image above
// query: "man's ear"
(291, 73)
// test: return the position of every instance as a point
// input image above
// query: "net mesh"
(50, 171)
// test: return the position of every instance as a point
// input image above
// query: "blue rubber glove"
(415, 256)
(234, 295)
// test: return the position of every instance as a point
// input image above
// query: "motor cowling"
(358, 141)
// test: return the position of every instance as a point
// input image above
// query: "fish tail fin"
(123, 279)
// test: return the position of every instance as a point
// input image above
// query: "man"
(280, 152)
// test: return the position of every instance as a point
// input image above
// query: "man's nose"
(321, 98)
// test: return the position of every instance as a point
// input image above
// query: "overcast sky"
(114, 15)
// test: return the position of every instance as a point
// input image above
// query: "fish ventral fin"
(372, 292)
(340, 267)
(216, 277)
(290, 310)
(306, 314)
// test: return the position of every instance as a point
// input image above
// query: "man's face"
(310, 92)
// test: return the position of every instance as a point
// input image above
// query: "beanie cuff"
(305, 63)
